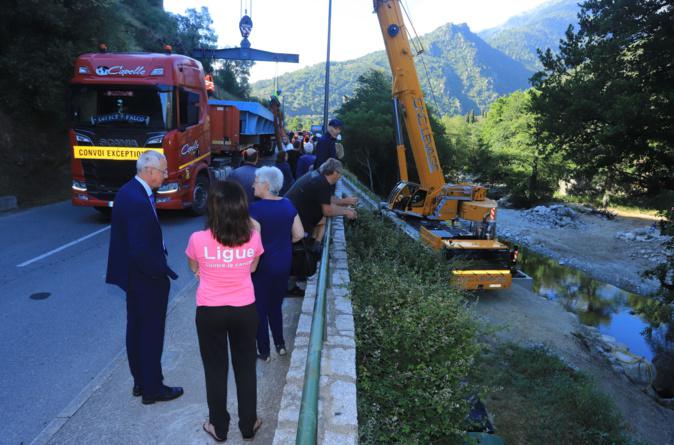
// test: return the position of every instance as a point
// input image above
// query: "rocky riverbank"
(616, 251)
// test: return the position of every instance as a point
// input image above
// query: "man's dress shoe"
(167, 393)
(137, 391)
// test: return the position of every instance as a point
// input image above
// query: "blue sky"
(300, 26)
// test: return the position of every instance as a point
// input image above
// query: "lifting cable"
(275, 92)
(420, 52)
(243, 10)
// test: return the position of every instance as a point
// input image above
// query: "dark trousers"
(269, 293)
(215, 327)
(146, 303)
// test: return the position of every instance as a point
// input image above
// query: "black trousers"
(146, 303)
(219, 327)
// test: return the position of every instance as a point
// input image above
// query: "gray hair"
(330, 166)
(149, 158)
(272, 176)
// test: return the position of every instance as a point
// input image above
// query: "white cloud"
(300, 26)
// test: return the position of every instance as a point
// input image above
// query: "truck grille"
(105, 177)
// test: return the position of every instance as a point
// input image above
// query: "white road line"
(65, 246)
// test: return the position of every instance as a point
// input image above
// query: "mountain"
(541, 27)
(466, 74)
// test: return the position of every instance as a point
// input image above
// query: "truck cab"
(123, 104)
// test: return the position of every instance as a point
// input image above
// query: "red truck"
(126, 103)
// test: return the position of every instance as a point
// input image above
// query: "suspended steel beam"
(253, 54)
(245, 52)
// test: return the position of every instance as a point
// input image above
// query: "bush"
(415, 339)
(543, 401)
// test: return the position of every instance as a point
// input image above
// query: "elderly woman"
(280, 227)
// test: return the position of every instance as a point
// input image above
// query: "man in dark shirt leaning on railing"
(313, 197)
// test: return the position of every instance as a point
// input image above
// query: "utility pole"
(327, 72)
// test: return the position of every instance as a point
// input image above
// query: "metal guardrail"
(307, 426)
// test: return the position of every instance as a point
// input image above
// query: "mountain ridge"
(467, 70)
(466, 74)
(541, 27)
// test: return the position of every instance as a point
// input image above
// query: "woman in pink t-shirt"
(223, 256)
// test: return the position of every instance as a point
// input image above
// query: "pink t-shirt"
(224, 272)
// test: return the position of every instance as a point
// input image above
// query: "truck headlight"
(155, 140)
(83, 139)
(169, 187)
(80, 186)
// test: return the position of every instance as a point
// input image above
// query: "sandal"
(256, 427)
(210, 429)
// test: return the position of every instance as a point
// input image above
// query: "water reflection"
(612, 310)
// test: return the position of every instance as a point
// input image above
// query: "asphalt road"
(51, 348)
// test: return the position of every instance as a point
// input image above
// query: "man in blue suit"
(245, 174)
(137, 264)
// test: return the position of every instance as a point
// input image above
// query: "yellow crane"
(456, 218)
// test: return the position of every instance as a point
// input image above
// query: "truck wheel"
(200, 195)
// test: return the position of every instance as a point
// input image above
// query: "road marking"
(65, 246)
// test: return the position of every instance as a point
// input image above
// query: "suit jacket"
(136, 242)
(245, 175)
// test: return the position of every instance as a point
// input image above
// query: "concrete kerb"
(337, 407)
(71, 409)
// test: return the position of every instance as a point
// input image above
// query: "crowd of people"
(242, 260)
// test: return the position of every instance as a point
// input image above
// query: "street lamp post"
(327, 72)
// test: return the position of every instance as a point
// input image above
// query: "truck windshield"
(123, 106)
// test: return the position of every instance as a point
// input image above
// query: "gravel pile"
(553, 216)
(643, 234)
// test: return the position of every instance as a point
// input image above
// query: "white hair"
(272, 176)
(149, 158)
(309, 147)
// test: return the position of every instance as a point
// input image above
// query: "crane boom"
(407, 89)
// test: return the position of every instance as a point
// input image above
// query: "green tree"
(605, 101)
(39, 42)
(231, 78)
(194, 30)
(369, 135)
(514, 157)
